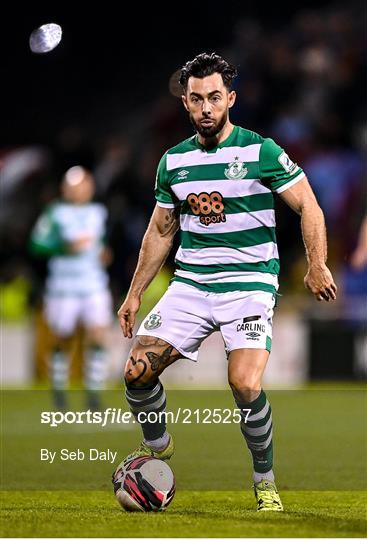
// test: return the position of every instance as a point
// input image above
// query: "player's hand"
(320, 282)
(81, 244)
(127, 313)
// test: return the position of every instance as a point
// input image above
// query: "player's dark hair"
(205, 64)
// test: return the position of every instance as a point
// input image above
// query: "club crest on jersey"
(236, 170)
(153, 322)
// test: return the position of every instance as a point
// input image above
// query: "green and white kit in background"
(227, 264)
(77, 283)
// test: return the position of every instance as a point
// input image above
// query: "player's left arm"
(302, 200)
(45, 240)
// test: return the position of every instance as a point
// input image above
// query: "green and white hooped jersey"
(225, 195)
(80, 273)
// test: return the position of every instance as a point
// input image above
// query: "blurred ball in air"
(45, 38)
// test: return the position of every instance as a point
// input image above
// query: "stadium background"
(106, 98)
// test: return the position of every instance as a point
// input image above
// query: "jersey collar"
(227, 142)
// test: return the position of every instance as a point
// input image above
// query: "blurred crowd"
(302, 83)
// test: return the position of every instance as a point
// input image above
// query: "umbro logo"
(253, 335)
(183, 174)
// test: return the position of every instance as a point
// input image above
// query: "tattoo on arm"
(172, 220)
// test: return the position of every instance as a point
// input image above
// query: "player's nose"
(206, 107)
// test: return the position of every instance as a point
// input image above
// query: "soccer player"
(217, 187)
(71, 233)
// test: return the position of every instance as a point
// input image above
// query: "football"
(144, 484)
(45, 38)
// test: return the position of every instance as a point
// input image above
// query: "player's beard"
(212, 131)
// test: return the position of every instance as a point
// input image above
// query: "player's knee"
(245, 386)
(137, 374)
(149, 357)
(96, 337)
(137, 370)
(96, 344)
(63, 341)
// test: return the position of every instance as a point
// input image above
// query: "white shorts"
(63, 313)
(185, 316)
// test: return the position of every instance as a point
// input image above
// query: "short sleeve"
(277, 171)
(163, 192)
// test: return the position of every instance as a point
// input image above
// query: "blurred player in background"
(71, 233)
(354, 278)
(217, 187)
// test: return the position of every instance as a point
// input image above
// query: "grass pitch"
(191, 514)
(320, 462)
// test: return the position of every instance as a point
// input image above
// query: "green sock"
(257, 429)
(95, 368)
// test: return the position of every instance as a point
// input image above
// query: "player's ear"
(231, 98)
(184, 101)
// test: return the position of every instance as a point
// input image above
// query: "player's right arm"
(156, 245)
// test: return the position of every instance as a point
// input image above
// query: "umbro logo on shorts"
(253, 335)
